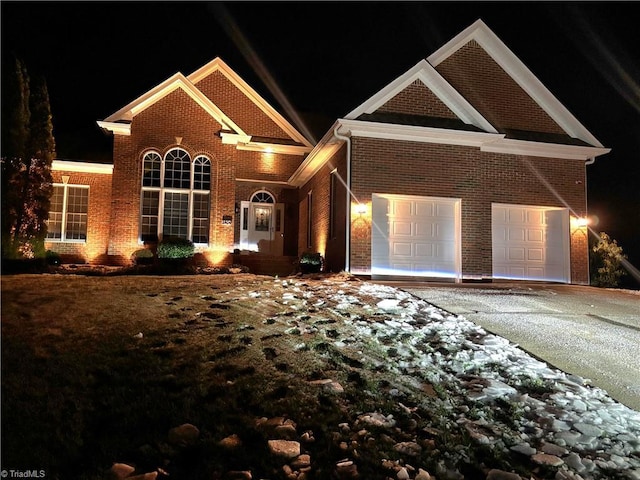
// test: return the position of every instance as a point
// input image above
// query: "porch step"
(262, 264)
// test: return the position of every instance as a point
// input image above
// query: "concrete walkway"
(586, 331)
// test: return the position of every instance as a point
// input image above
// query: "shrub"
(606, 262)
(310, 262)
(52, 258)
(175, 248)
(143, 256)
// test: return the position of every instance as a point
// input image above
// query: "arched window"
(177, 169)
(201, 173)
(262, 197)
(151, 168)
(175, 197)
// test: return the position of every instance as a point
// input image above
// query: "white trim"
(519, 72)
(264, 182)
(273, 148)
(322, 152)
(437, 85)
(116, 128)
(548, 150)
(218, 65)
(359, 128)
(81, 167)
(176, 81)
(229, 138)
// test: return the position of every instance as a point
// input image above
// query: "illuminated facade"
(464, 168)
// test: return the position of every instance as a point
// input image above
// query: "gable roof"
(120, 122)
(217, 65)
(424, 72)
(519, 72)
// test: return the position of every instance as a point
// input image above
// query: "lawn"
(98, 370)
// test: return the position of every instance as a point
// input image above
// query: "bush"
(175, 248)
(52, 258)
(310, 262)
(606, 262)
(143, 256)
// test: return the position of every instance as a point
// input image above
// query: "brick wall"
(332, 247)
(94, 250)
(157, 127)
(478, 179)
(473, 73)
(238, 107)
(417, 99)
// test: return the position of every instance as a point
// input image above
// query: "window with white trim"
(68, 213)
(175, 197)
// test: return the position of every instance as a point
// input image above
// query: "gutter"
(347, 247)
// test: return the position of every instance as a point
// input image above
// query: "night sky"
(320, 60)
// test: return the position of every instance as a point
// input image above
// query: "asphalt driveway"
(590, 332)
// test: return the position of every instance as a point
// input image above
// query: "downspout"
(588, 162)
(347, 246)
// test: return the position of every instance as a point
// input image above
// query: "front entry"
(262, 227)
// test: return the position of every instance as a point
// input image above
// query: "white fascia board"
(81, 167)
(273, 148)
(519, 72)
(321, 153)
(116, 128)
(218, 64)
(157, 93)
(262, 182)
(432, 80)
(234, 138)
(548, 150)
(411, 133)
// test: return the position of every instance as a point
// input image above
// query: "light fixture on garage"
(579, 224)
(361, 209)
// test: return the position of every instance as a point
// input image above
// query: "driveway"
(590, 332)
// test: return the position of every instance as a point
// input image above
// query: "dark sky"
(326, 58)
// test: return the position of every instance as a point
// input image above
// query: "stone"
(408, 448)
(496, 474)
(185, 435)
(403, 474)
(588, 429)
(547, 460)
(524, 448)
(231, 442)
(553, 449)
(574, 461)
(286, 431)
(121, 470)
(284, 448)
(239, 475)
(301, 461)
(423, 475)
(145, 476)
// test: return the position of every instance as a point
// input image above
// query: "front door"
(262, 227)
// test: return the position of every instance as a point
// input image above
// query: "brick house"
(464, 168)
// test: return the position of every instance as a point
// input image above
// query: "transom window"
(175, 197)
(68, 213)
(262, 197)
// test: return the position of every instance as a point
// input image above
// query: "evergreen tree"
(606, 262)
(28, 148)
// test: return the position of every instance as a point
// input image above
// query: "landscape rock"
(284, 448)
(546, 459)
(121, 470)
(495, 474)
(232, 442)
(185, 435)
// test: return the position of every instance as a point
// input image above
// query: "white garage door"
(415, 236)
(530, 243)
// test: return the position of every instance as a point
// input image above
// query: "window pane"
(176, 214)
(151, 170)
(77, 206)
(149, 217)
(177, 169)
(54, 223)
(201, 173)
(200, 218)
